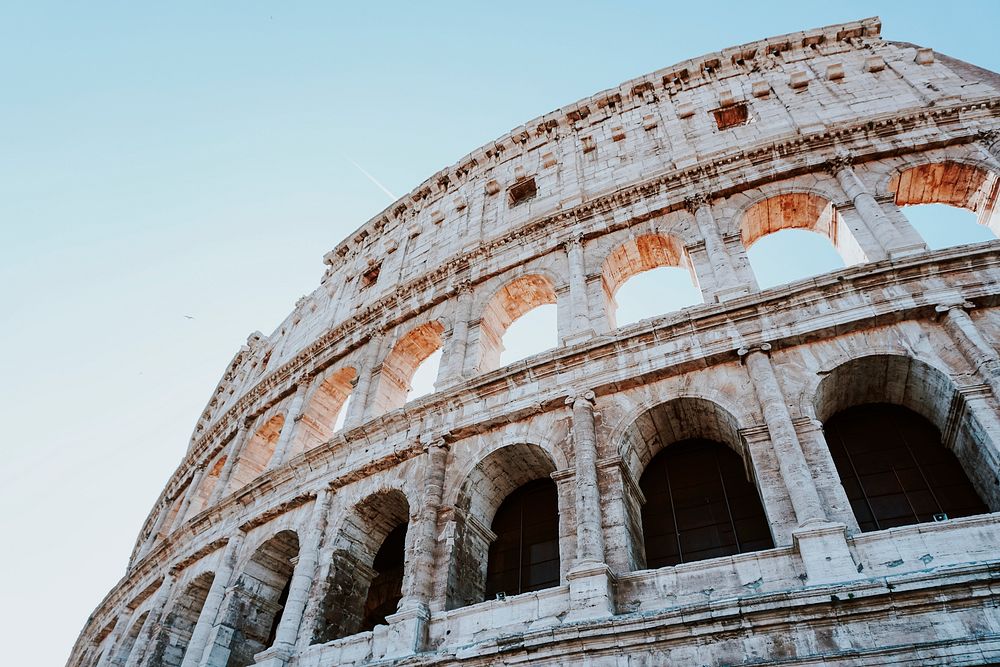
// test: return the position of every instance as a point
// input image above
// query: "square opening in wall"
(522, 191)
(370, 276)
(731, 116)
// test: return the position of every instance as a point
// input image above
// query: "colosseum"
(799, 475)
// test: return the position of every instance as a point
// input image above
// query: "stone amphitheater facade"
(269, 544)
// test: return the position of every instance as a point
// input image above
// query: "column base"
(591, 592)
(406, 633)
(578, 337)
(276, 656)
(824, 552)
(730, 293)
(906, 250)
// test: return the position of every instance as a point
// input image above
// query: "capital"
(840, 161)
(945, 308)
(696, 201)
(988, 136)
(747, 350)
(580, 395)
(574, 241)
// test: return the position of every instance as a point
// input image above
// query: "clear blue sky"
(193, 159)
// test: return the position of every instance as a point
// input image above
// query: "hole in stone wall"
(731, 116)
(521, 191)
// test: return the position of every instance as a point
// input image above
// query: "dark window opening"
(282, 600)
(895, 470)
(699, 505)
(386, 588)
(731, 116)
(522, 191)
(525, 555)
(370, 276)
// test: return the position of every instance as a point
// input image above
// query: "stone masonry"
(267, 545)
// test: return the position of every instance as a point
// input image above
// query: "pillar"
(302, 581)
(821, 544)
(726, 282)
(591, 584)
(199, 647)
(891, 237)
(232, 453)
(580, 329)
(458, 343)
(109, 651)
(199, 473)
(356, 410)
(292, 418)
(152, 621)
(971, 343)
(161, 516)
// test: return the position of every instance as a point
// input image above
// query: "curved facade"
(510, 516)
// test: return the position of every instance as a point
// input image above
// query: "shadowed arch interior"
(256, 453)
(172, 642)
(319, 418)
(513, 300)
(402, 362)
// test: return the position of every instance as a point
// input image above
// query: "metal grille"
(699, 504)
(895, 470)
(525, 555)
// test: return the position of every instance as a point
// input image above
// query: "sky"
(171, 175)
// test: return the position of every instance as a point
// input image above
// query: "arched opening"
(168, 523)
(516, 299)
(256, 453)
(172, 643)
(948, 199)
(647, 276)
(128, 640)
(698, 497)
(324, 412)
(400, 366)
(788, 237)
(206, 486)
(894, 468)
(259, 598)
(934, 415)
(525, 554)
(480, 551)
(699, 505)
(367, 572)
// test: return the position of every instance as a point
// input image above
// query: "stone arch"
(950, 181)
(323, 404)
(510, 302)
(258, 598)
(923, 388)
(803, 209)
(179, 622)
(638, 255)
(362, 533)
(398, 367)
(491, 480)
(128, 640)
(206, 486)
(257, 451)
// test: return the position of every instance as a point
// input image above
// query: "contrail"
(374, 180)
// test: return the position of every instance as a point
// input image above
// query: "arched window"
(647, 276)
(256, 453)
(128, 641)
(520, 297)
(525, 554)
(386, 589)
(948, 198)
(789, 237)
(398, 374)
(894, 468)
(179, 623)
(260, 596)
(205, 488)
(699, 505)
(325, 409)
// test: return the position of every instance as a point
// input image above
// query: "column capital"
(989, 135)
(840, 161)
(746, 350)
(463, 286)
(696, 201)
(574, 240)
(944, 308)
(434, 441)
(585, 395)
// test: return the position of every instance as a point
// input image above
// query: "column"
(458, 344)
(302, 580)
(727, 285)
(152, 621)
(356, 410)
(198, 647)
(821, 544)
(199, 473)
(971, 343)
(292, 418)
(580, 328)
(161, 516)
(591, 584)
(887, 235)
(232, 453)
(112, 646)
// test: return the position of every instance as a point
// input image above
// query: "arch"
(402, 362)
(360, 584)
(799, 210)
(895, 469)
(479, 497)
(326, 402)
(129, 639)
(638, 255)
(178, 625)
(952, 183)
(512, 301)
(206, 486)
(258, 598)
(256, 453)
(916, 385)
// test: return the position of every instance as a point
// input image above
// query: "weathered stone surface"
(263, 548)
